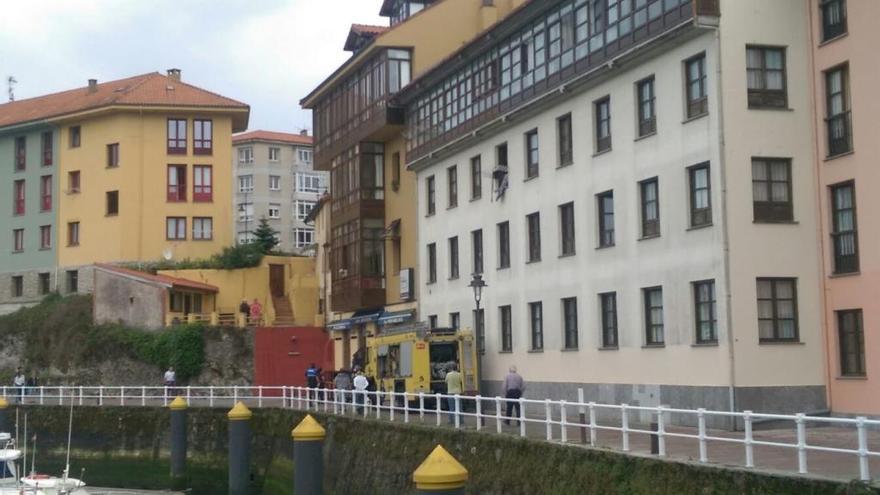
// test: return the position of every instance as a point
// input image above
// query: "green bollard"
(308, 457)
(4, 427)
(178, 441)
(440, 474)
(239, 449)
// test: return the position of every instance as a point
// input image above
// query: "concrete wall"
(120, 299)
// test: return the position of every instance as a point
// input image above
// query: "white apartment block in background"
(274, 178)
(635, 183)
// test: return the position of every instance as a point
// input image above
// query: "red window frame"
(46, 146)
(176, 136)
(20, 153)
(46, 193)
(179, 228)
(17, 240)
(203, 183)
(45, 236)
(203, 136)
(18, 197)
(73, 181)
(176, 183)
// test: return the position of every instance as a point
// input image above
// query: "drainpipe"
(823, 280)
(725, 230)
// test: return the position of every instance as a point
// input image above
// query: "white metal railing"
(555, 415)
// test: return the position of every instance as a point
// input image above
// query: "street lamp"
(477, 284)
(242, 208)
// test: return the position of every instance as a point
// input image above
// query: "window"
(175, 228)
(73, 182)
(432, 263)
(608, 302)
(564, 141)
(72, 281)
(650, 197)
(844, 228)
(700, 197)
(203, 137)
(176, 136)
(531, 154)
(305, 156)
(246, 155)
(303, 237)
(452, 186)
(308, 183)
(20, 153)
(45, 280)
(454, 320)
(534, 225)
(74, 136)
(833, 18)
(203, 228)
(480, 326)
(429, 188)
(646, 107)
(274, 182)
(570, 323)
(112, 203)
(203, 183)
(605, 202)
(696, 90)
(432, 321)
(73, 233)
(274, 154)
(46, 145)
(476, 177)
(176, 183)
(765, 69)
(851, 342)
(536, 325)
(453, 257)
(18, 197)
(45, 237)
(18, 240)
(245, 183)
(113, 155)
(245, 212)
(46, 193)
(505, 319)
(705, 313)
(303, 208)
(653, 316)
(777, 310)
(17, 286)
(771, 190)
(504, 245)
(477, 251)
(274, 210)
(602, 111)
(395, 171)
(566, 229)
(837, 111)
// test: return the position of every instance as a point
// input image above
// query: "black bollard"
(308, 457)
(239, 449)
(4, 405)
(440, 474)
(178, 441)
(655, 439)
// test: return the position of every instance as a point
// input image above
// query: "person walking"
(19, 381)
(342, 384)
(514, 386)
(360, 386)
(454, 386)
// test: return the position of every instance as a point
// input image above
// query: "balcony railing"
(839, 133)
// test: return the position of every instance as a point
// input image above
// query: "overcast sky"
(267, 53)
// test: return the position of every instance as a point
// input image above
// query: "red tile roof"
(283, 137)
(369, 29)
(163, 280)
(153, 89)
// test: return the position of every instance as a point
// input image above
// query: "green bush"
(230, 258)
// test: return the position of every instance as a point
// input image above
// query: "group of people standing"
(24, 385)
(252, 312)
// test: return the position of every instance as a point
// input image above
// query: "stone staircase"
(283, 312)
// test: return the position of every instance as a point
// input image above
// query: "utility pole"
(10, 87)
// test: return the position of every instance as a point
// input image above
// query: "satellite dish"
(168, 254)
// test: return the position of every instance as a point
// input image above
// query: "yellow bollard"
(440, 473)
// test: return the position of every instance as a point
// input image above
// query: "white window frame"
(308, 237)
(246, 155)
(303, 208)
(243, 181)
(274, 154)
(276, 179)
(304, 155)
(308, 182)
(248, 214)
(275, 210)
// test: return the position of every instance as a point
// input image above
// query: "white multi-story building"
(274, 178)
(634, 181)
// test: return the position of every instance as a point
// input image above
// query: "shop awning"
(396, 317)
(339, 325)
(365, 316)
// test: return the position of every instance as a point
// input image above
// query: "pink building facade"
(847, 75)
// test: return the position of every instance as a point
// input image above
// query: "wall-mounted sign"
(406, 284)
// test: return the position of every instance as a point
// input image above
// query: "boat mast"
(69, 434)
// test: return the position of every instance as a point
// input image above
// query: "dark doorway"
(276, 280)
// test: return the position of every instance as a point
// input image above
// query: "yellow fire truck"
(413, 358)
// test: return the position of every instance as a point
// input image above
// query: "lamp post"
(477, 284)
(242, 208)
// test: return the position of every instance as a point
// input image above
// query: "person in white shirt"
(360, 385)
(170, 379)
(18, 382)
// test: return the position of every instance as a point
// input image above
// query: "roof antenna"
(10, 87)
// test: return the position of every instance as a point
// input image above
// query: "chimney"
(93, 85)
(304, 132)
(174, 74)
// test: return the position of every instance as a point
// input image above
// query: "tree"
(265, 236)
